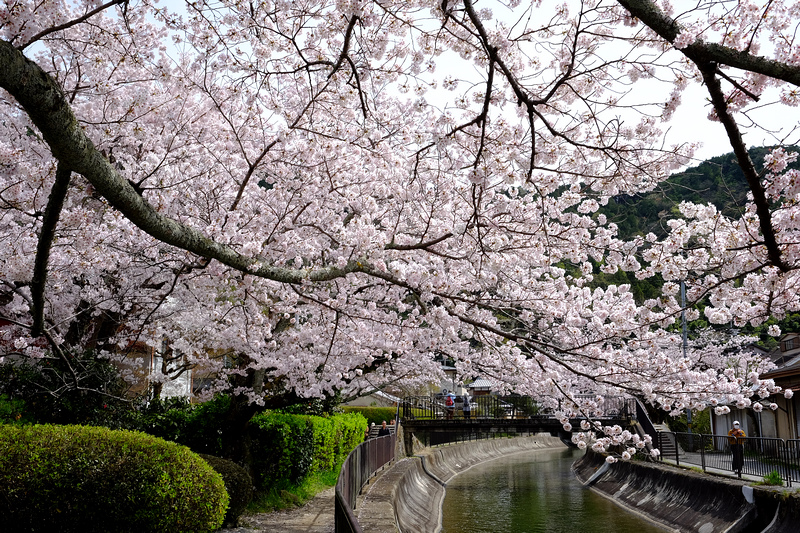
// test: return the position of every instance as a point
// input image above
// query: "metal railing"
(505, 407)
(359, 466)
(644, 420)
(362, 463)
(761, 455)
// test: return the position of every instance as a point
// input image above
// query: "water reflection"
(532, 492)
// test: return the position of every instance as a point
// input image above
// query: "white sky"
(691, 122)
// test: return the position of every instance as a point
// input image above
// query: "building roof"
(386, 396)
(786, 356)
(480, 383)
(787, 375)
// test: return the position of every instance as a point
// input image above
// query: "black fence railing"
(511, 407)
(759, 456)
(455, 436)
(435, 407)
(644, 420)
(360, 465)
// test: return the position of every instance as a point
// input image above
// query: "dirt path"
(316, 516)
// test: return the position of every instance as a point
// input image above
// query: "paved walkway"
(754, 468)
(316, 516)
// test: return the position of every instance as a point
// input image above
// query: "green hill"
(718, 181)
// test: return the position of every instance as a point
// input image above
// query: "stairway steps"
(668, 445)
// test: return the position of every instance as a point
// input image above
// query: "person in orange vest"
(736, 441)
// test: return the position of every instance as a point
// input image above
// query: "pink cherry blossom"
(328, 198)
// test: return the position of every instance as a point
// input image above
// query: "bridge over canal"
(430, 420)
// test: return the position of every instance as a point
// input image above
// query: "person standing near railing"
(450, 404)
(736, 438)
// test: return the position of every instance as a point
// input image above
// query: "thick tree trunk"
(236, 441)
(236, 437)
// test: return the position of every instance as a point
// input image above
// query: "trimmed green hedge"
(335, 437)
(374, 415)
(238, 484)
(90, 479)
(282, 447)
(290, 447)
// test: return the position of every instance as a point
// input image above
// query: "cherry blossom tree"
(312, 197)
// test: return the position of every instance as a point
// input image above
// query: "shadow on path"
(316, 516)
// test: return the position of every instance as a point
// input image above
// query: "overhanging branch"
(44, 102)
(699, 52)
(745, 163)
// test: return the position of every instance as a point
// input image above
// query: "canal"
(532, 492)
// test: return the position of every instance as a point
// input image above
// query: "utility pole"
(685, 348)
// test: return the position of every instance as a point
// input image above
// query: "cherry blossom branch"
(699, 52)
(43, 100)
(746, 164)
(71, 23)
(345, 46)
(56, 346)
(707, 57)
(177, 275)
(420, 245)
(738, 85)
(55, 203)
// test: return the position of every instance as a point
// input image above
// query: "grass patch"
(286, 495)
(771, 479)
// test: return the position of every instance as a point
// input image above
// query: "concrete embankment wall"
(686, 501)
(408, 497)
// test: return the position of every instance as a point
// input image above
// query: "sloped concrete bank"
(408, 497)
(685, 501)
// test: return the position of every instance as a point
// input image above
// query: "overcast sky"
(690, 122)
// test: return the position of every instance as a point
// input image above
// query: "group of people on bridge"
(450, 405)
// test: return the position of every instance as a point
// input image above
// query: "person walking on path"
(384, 431)
(736, 441)
(467, 407)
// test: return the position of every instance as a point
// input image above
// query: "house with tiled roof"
(784, 422)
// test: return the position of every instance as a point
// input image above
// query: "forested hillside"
(718, 181)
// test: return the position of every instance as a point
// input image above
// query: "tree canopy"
(330, 195)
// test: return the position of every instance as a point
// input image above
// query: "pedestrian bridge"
(430, 420)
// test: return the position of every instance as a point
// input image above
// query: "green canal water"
(531, 492)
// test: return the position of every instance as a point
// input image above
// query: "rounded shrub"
(91, 479)
(238, 483)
